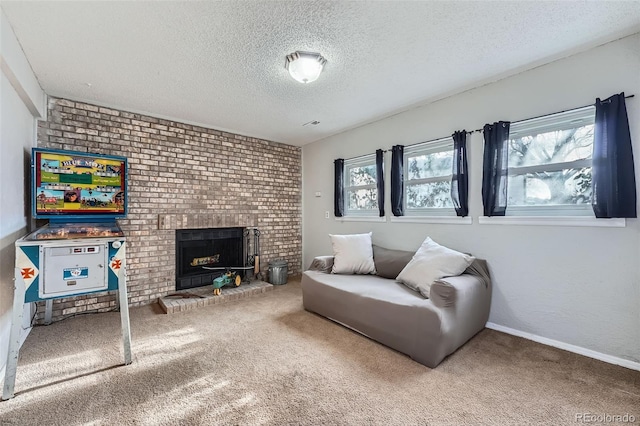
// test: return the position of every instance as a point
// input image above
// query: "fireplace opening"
(211, 248)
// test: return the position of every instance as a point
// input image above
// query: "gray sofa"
(387, 311)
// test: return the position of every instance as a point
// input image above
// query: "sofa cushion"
(352, 254)
(322, 264)
(430, 263)
(389, 263)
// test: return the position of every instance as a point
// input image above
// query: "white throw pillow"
(430, 263)
(353, 254)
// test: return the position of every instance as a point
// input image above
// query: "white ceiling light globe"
(305, 67)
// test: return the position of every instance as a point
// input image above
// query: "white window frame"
(560, 121)
(366, 160)
(432, 147)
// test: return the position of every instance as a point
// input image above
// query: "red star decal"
(27, 273)
(116, 264)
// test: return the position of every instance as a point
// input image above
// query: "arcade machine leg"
(118, 298)
(124, 315)
(48, 311)
(14, 337)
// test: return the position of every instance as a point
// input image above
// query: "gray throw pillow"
(389, 263)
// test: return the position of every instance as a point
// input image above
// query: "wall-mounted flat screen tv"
(78, 185)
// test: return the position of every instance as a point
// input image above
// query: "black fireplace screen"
(197, 249)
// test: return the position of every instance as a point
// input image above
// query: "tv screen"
(73, 185)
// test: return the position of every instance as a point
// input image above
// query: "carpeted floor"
(264, 360)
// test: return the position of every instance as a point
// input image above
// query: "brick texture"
(172, 305)
(181, 176)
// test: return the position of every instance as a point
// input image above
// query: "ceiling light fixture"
(305, 67)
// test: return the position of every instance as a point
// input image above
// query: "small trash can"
(278, 270)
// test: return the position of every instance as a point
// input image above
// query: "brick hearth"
(172, 305)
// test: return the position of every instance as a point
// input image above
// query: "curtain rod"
(364, 155)
(553, 113)
(429, 141)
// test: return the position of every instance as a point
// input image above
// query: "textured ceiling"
(221, 64)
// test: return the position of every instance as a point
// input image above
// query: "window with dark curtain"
(380, 180)
(460, 174)
(397, 180)
(495, 168)
(613, 173)
(338, 189)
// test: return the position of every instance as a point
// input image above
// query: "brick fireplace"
(182, 177)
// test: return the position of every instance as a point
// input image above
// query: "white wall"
(579, 286)
(22, 101)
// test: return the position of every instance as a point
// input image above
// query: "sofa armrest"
(446, 292)
(322, 264)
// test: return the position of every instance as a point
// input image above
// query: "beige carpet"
(264, 360)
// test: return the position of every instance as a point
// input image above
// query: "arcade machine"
(82, 249)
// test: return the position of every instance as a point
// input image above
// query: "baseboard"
(23, 337)
(567, 347)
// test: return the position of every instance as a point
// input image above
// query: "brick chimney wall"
(181, 176)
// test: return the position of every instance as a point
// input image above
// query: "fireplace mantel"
(207, 220)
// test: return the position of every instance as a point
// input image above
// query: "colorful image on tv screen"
(78, 184)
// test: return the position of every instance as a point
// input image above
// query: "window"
(550, 164)
(427, 179)
(361, 193)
